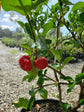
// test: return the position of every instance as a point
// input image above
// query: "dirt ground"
(12, 87)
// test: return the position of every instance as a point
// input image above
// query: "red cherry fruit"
(41, 63)
(25, 63)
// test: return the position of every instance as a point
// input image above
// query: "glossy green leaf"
(43, 93)
(28, 52)
(21, 24)
(24, 78)
(40, 78)
(25, 46)
(79, 77)
(56, 53)
(28, 30)
(32, 74)
(48, 26)
(81, 17)
(14, 5)
(68, 3)
(31, 100)
(65, 107)
(82, 101)
(78, 6)
(67, 60)
(45, 3)
(22, 102)
(67, 78)
(70, 87)
(56, 66)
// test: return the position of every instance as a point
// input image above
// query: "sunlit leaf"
(47, 27)
(67, 60)
(56, 53)
(82, 101)
(32, 99)
(22, 102)
(15, 5)
(21, 24)
(32, 74)
(43, 92)
(24, 78)
(70, 87)
(79, 77)
(78, 6)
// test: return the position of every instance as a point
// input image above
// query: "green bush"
(9, 41)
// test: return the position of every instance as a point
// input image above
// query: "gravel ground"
(11, 86)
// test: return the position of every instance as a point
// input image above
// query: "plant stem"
(45, 85)
(58, 30)
(50, 78)
(32, 33)
(61, 74)
(59, 87)
(28, 19)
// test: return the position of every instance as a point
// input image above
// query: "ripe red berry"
(41, 63)
(25, 63)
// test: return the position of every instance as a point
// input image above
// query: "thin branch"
(63, 83)
(50, 78)
(45, 85)
(65, 39)
(56, 71)
(58, 30)
(59, 87)
(82, 71)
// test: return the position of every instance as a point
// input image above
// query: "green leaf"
(65, 107)
(56, 84)
(28, 30)
(22, 102)
(67, 60)
(79, 77)
(28, 52)
(47, 27)
(32, 74)
(56, 66)
(78, 6)
(81, 17)
(21, 24)
(68, 3)
(40, 80)
(43, 93)
(24, 78)
(70, 87)
(68, 78)
(32, 99)
(14, 5)
(45, 3)
(82, 101)
(26, 46)
(48, 41)
(56, 53)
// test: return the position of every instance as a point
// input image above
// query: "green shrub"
(9, 41)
